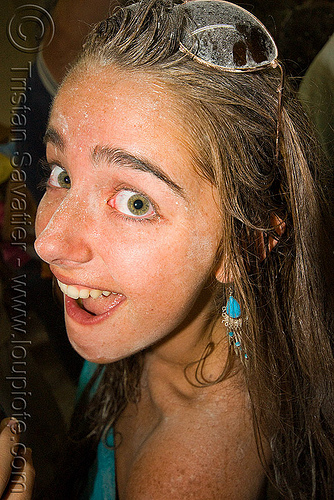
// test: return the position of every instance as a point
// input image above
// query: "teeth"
(73, 292)
(62, 286)
(84, 293)
(95, 293)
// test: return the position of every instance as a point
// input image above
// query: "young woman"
(184, 222)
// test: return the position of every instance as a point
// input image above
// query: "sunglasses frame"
(257, 23)
(273, 63)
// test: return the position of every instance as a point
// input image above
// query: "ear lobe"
(221, 273)
(221, 276)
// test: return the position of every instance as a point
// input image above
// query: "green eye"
(64, 180)
(59, 178)
(138, 204)
(133, 205)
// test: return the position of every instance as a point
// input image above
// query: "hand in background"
(16, 469)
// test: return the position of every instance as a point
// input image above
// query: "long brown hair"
(230, 121)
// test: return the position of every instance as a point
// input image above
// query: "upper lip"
(69, 281)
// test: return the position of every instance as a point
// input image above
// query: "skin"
(15, 459)
(88, 242)
(180, 441)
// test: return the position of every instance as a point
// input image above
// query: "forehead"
(131, 111)
(108, 99)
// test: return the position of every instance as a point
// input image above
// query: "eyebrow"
(51, 135)
(127, 160)
(120, 157)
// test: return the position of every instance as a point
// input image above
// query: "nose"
(62, 232)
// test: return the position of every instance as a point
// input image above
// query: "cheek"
(165, 262)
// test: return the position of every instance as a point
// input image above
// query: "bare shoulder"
(203, 450)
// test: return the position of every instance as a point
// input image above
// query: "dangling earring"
(231, 314)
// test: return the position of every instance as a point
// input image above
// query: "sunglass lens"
(224, 34)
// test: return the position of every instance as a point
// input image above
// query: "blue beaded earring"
(231, 314)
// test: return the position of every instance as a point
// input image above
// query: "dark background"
(300, 28)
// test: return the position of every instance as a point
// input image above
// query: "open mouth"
(93, 301)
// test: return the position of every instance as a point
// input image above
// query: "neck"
(174, 361)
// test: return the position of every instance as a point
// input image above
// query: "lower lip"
(74, 311)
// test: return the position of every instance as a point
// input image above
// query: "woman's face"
(125, 213)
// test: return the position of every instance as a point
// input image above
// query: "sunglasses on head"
(226, 36)
(223, 35)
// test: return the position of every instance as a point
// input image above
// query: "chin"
(97, 354)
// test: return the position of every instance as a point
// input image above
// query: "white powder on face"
(61, 123)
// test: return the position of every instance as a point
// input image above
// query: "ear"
(222, 276)
(221, 272)
(279, 227)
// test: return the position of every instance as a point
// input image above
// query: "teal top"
(101, 484)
